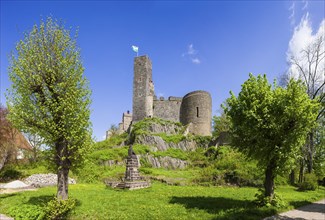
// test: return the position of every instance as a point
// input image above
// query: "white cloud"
(191, 50)
(196, 60)
(301, 37)
(292, 13)
(304, 36)
(192, 54)
(305, 5)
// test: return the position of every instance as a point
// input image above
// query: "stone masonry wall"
(126, 120)
(167, 109)
(142, 88)
(196, 109)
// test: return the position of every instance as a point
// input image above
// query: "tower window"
(197, 111)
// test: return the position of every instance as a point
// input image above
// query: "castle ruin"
(193, 110)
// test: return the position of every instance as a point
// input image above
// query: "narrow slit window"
(197, 112)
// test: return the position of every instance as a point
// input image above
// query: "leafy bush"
(262, 200)
(59, 209)
(90, 173)
(119, 154)
(225, 165)
(211, 152)
(172, 152)
(207, 176)
(115, 140)
(25, 212)
(176, 138)
(281, 180)
(309, 183)
(198, 158)
(202, 141)
(10, 173)
(141, 149)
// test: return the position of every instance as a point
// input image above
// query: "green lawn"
(161, 201)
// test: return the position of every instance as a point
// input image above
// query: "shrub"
(24, 212)
(59, 209)
(115, 140)
(309, 183)
(172, 152)
(145, 163)
(209, 175)
(229, 166)
(176, 138)
(141, 149)
(10, 173)
(202, 141)
(211, 152)
(198, 159)
(90, 173)
(119, 154)
(262, 200)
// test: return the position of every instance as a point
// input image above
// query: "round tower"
(196, 108)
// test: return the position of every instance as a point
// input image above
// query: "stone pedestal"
(132, 173)
(132, 179)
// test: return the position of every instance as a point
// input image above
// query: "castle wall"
(196, 109)
(126, 120)
(167, 109)
(143, 89)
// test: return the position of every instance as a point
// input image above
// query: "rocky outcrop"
(156, 162)
(166, 162)
(168, 129)
(158, 144)
(185, 145)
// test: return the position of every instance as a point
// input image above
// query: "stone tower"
(143, 90)
(196, 109)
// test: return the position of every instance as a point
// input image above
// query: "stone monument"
(132, 179)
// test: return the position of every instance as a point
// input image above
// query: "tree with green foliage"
(50, 96)
(271, 123)
(220, 124)
(309, 66)
(112, 131)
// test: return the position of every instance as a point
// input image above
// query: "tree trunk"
(269, 179)
(62, 187)
(63, 165)
(301, 171)
(310, 152)
(292, 177)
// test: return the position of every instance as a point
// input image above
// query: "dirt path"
(3, 217)
(314, 211)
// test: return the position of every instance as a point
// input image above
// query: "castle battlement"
(194, 109)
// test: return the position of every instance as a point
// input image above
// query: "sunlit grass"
(161, 201)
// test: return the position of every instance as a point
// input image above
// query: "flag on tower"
(135, 49)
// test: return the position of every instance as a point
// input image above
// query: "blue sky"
(193, 45)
